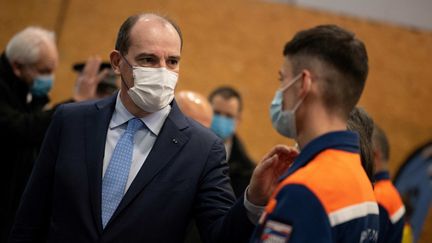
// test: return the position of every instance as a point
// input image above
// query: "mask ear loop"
(291, 82)
(122, 79)
(296, 106)
(299, 102)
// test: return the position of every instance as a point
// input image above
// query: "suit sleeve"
(32, 219)
(219, 217)
(297, 217)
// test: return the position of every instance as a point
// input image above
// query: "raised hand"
(265, 176)
(87, 81)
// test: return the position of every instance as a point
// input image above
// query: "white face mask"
(153, 88)
(284, 120)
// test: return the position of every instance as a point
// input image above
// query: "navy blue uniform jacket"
(184, 176)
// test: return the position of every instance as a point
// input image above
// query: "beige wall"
(240, 43)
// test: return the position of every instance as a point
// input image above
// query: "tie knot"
(134, 125)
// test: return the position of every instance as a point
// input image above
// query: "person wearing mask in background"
(195, 106)
(390, 204)
(325, 195)
(26, 76)
(227, 107)
(131, 167)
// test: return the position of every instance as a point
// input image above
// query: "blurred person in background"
(195, 106)
(360, 122)
(391, 207)
(26, 76)
(108, 83)
(227, 106)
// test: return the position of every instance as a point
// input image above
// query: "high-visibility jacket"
(391, 209)
(325, 196)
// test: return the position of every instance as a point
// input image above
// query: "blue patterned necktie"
(117, 173)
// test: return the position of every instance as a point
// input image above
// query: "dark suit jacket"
(184, 176)
(240, 167)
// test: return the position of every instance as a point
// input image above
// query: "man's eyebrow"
(174, 57)
(142, 55)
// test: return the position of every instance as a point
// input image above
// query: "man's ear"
(306, 83)
(115, 58)
(16, 68)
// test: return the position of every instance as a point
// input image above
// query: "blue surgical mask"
(284, 121)
(223, 126)
(42, 85)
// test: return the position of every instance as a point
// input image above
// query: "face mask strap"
(291, 82)
(124, 58)
(297, 105)
(122, 79)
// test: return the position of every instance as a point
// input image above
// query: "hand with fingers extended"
(87, 82)
(265, 176)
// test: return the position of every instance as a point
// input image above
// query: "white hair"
(24, 47)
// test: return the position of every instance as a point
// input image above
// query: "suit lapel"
(169, 142)
(96, 127)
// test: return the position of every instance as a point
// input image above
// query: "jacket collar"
(340, 140)
(383, 175)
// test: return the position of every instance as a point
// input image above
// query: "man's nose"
(162, 63)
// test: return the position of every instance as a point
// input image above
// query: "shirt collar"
(383, 175)
(154, 121)
(340, 140)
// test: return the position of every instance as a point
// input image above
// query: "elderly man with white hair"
(26, 75)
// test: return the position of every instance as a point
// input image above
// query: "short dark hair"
(227, 92)
(344, 57)
(360, 122)
(123, 37)
(381, 142)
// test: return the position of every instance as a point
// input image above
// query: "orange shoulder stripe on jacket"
(388, 197)
(336, 177)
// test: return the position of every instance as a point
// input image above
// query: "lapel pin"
(174, 141)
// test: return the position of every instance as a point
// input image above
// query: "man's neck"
(130, 105)
(319, 123)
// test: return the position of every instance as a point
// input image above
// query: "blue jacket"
(391, 209)
(325, 196)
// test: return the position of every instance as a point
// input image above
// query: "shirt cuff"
(253, 211)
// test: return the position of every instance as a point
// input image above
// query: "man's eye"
(173, 62)
(147, 60)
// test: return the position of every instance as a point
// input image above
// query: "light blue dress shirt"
(143, 141)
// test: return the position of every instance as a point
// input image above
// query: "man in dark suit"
(132, 167)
